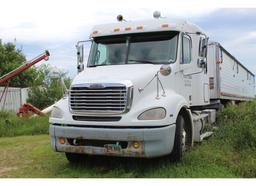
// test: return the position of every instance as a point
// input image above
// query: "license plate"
(113, 147)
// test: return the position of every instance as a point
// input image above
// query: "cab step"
(201, 119)
(205, 135)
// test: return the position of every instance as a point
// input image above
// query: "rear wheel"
(181, 140)
(75, 158)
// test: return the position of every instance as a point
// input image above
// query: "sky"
(56, 25)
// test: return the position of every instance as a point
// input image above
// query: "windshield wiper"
(150, 62)
(97, 65)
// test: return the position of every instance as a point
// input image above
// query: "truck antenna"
(120, 18)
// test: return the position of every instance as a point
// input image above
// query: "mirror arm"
(80, 59)
(83, 41)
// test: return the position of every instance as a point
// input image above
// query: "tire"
(180, 142)
(75, 158)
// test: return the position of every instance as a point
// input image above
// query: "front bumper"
(153, 142)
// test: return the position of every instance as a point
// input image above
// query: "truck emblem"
(96, 86)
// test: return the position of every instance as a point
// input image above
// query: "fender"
(178, 104)
(174, 103)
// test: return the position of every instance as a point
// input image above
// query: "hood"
(137, 74)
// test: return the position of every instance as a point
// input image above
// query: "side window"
(101, 55)
(186, 50)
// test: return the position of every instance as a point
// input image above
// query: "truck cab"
(134, 96)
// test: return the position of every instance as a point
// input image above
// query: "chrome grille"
(110, 98)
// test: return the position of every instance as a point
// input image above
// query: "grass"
(229, 153)
(11, 125)
(31, 156)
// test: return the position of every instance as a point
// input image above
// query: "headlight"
(56, 112)
(153, 114)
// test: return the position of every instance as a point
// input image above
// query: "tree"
(10, 59)
(50, 90)
(44, 89)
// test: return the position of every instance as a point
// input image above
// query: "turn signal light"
(136, 145)
(62, 140)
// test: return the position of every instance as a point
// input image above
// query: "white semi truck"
(148, 89)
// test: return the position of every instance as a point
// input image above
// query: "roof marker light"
(139, 27)
(128, 28)
(165, 25)
(116, 29)
(95, 32)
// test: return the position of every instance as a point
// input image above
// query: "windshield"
(155, 48)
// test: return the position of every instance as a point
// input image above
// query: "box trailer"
(228, 78)
(148, 89)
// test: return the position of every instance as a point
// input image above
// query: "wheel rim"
(183, 140)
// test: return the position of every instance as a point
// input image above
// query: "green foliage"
(11, 125)
(240, 125)
(10, 59)
(237, 136)
(50, 89)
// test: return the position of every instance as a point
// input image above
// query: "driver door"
(186, 67)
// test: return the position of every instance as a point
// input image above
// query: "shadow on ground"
(138, 167)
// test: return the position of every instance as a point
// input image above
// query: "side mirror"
(203, 47)
(201, 63)
(80, 53)
(80, 67)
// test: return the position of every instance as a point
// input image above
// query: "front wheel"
(180, 143)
